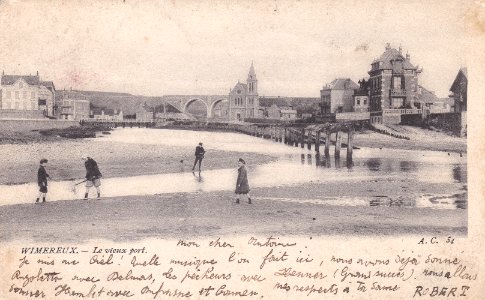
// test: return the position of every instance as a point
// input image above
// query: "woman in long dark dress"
(242, 185)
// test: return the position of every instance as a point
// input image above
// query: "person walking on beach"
(93, 176)
(199, 155)
(42, 180)
(242, 185)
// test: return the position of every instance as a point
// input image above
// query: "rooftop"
(342, 84)
(11, 79)
(390, 55)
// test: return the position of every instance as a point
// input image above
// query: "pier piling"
(309, 140)
(327, 144)
(338, 143)
(302, 138)
(350, 139)
(317, 141)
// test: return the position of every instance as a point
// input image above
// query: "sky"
(192, 47)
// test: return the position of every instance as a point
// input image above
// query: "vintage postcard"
(241, 149)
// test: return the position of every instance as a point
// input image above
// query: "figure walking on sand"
(242, 185)
(199, 155)
(93, 176)
(42, 180)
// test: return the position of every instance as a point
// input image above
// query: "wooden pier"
(313, 136)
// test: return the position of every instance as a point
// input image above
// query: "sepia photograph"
(236, 123)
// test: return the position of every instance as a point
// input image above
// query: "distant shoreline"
(423, 139)
(115, 159)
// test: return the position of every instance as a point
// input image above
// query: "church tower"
(252, 81)
(243, 99)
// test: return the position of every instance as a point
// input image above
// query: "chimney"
(388, 46)
(37, 73)
(408, 57)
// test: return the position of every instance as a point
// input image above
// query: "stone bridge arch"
(207, 106)
(182, 102)
(214, 104)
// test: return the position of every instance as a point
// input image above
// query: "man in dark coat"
(242, 185)
(93, 176)
(42, 180)
(199, 155)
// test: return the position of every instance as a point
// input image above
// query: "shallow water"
(294, 166)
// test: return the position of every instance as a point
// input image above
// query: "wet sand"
(215, 214)
(421, 139)
(208, 213)
(20, 162)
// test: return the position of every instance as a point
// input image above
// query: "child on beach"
(242, 185)
(199, 155)
(93, 176)
(42, 180)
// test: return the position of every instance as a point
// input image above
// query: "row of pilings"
(313, 136)
(306, 137)
(119, 124)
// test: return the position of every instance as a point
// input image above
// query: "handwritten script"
(256, 267)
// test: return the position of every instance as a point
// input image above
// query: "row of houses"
(393, 84)
(74, 105)
(30, 97)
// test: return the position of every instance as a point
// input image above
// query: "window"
(365, 101)
(24, 94)
(7, 105)
(397, 102)
(32, 95)
(396, 82)
(17, 105)
(357, 101)
(21, 84)
(8, 95)
(17, 95)
(42, 102)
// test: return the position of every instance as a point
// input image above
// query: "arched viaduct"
(182, 102)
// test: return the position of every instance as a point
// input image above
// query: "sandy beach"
(420, 139)
(311, 208)
(215, 214)
(114, 159)
(118, 159)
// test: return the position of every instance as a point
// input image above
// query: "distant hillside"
(301, 104)
(129, 103)
(121, 101)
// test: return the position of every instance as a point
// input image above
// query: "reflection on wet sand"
(441, 202)
(293, 167)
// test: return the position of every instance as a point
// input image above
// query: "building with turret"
(393, 81)
(244, 99)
